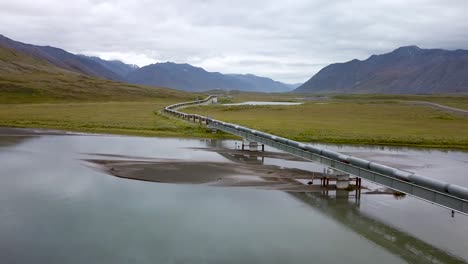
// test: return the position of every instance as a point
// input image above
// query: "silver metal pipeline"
(440, 186)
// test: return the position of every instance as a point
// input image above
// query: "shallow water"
(58, 209)
(264, 103)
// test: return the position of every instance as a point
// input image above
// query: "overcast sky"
(286, 40)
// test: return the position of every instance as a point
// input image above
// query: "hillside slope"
(189, 78)
(262, 84)
(115, 66)
(406, 70)
(27, 79)
(62, 59)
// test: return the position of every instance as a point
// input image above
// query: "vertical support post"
(253, 146)
(342, 181)
(263, 147)
(358, 188)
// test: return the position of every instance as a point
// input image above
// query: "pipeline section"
(440, 186)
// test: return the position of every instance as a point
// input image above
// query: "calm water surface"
(57, 209)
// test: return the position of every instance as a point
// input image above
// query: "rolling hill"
(115, 66)
(406, 70)
(189, 78)
(62, 59)
(24, 78)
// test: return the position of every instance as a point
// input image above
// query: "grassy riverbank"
(354, 119)
(351, 120)
(129, 118)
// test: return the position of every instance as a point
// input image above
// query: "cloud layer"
(285, 40)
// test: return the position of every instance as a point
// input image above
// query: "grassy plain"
(131, 118)
(457, 101)
(384, 121)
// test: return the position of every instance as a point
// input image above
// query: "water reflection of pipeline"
(340, 207)
(398, 242)
(343, 147)
(246, 157)
(249, 159)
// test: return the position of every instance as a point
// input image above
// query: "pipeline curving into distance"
(440, 186)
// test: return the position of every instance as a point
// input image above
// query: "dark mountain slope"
(61, 59)
(25, 79)
(262, 84)
(116, 66)
(406, 70)
(189, 78)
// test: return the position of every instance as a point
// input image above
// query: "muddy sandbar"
(210, 173)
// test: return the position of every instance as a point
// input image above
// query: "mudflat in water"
(58, 206)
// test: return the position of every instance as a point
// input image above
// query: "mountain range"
(189, 78)
(172, 75)
(406, 70)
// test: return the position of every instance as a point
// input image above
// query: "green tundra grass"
(457, 101)
(351, 121)
(130, 118)
(383, 122)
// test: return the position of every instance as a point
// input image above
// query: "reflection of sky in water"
(446, 165)
(408, 213)
(164, 148)
(55, 209)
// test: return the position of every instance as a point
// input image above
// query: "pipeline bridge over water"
(451, 196)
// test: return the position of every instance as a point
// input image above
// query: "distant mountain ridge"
(406, 70)
(190, 78)
(116, 66)
(258, 83)
(172, 75)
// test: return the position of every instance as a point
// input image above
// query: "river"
(57, 208)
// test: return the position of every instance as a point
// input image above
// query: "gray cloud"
(285, 40)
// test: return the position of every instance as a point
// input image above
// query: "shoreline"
(58, 130)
